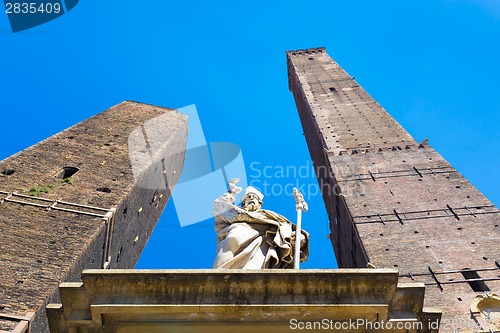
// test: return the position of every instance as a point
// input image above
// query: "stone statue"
(253, 238)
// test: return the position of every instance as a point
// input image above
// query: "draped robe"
(254, 240)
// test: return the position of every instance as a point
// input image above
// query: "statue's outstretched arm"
(225, 202)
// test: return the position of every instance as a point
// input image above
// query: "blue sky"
(433, 64)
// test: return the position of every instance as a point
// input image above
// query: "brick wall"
(393, 202)
(41, 248)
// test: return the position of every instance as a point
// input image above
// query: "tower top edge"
(128, 101)
(319, 49)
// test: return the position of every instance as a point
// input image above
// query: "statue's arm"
(224, 205)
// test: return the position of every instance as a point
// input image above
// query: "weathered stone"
(234, 299)
(93, 219)
(393, 202)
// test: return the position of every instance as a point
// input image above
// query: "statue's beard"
(252, 206)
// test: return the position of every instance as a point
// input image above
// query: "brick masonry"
(40, 247)
(391, 201)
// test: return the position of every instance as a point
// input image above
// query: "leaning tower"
(87, 197)
(394, 202)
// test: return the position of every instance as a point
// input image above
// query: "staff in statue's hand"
(300, 206)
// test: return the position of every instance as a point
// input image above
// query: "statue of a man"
(251, 237)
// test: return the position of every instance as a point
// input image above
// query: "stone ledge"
(117, 300)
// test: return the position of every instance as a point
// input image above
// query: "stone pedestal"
(87, 197)
(350, 300)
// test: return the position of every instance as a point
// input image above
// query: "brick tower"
(393, 202)
(87, 197)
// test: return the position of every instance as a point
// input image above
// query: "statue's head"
(251, 199)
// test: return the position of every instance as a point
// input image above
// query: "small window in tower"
(474, 280)
(310, 58)
(8, 172)
(104, 189)
(332, 89)
(68, 172)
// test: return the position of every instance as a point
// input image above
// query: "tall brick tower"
(88, 197)
(393, 202)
